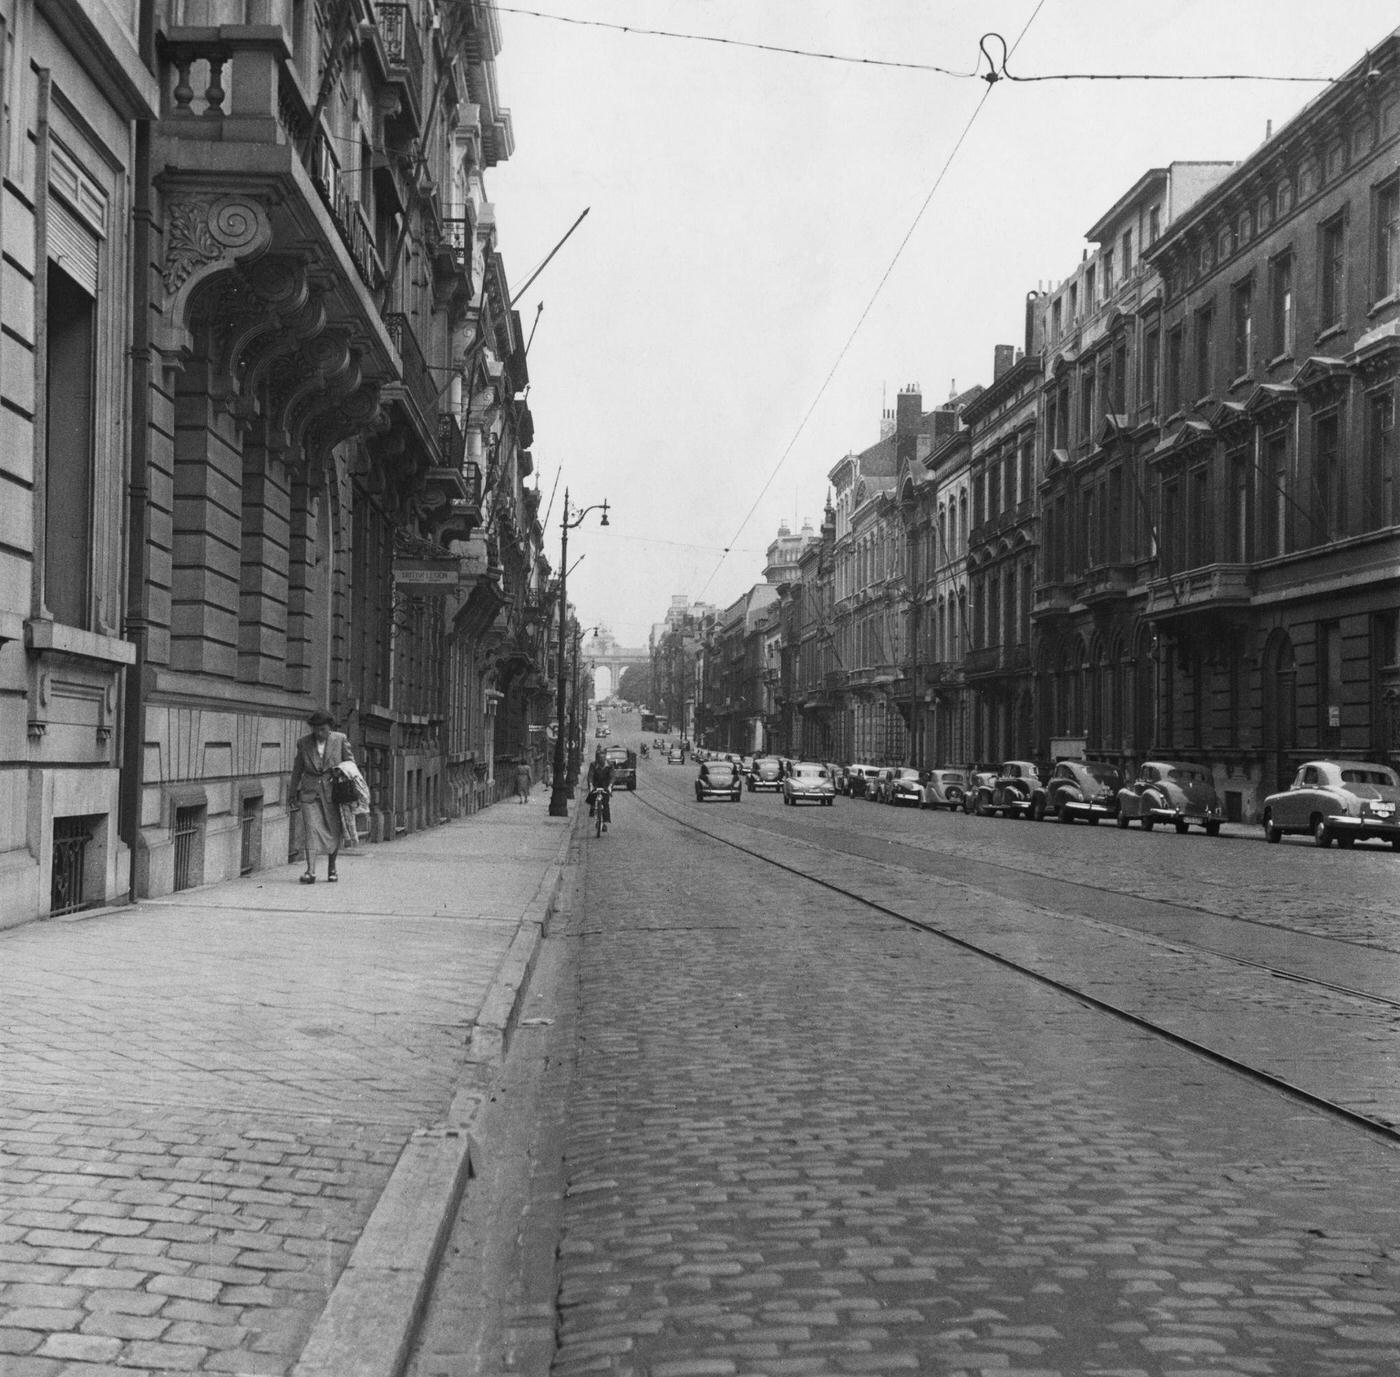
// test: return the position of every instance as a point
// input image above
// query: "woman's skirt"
(320, 828)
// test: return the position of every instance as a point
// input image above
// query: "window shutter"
(73, 246)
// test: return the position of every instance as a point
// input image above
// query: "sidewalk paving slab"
(235, 1121)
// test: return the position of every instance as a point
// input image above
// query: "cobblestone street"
(804, 1139)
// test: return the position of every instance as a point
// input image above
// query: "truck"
(624, 763)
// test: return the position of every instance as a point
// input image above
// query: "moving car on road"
(1083, 789)
(719, 779)
(1171, 791)
(944, 789)
(807, 781)
(675, 756)
(624, 763)
(1337, 800)
(766, 773)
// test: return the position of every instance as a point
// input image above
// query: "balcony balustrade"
(1053, 597)
(1212, 588)
(1105, 583)
(403, 52)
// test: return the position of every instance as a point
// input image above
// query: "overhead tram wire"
(996, 71)
(869, 305)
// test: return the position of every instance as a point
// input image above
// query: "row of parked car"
(1331, 800)
(799, 781)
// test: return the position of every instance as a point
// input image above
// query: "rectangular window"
(1331, 268)
(1329, 675)
(1027, 471)
(1086, 406)
(1275, 533)
(1090, 299)
(1107, 261)
(1328, 493)
(1154, 224)
(1240, 524)
(1119, 382)
(1388, 239)
(1380, 479)
(1242, 310)
(1173, 528)
(1151, 351)
(1056, 319)
(70, 476)
(1127, 254)
(1198, 520)
(993, 492)
(1176, 368)
(1113, 517)
(1205, 351)
(1074, 301)
(1281, 306)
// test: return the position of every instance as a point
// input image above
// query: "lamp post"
(559, 795)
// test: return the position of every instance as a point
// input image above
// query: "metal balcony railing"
(402, 47)
(417, 379)
(452, 444)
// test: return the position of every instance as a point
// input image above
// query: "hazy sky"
(746, 205)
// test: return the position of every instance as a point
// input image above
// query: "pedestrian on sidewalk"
(313, 774)
(523, 781)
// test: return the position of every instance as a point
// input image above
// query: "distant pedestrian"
(523, 781)
(310, 794)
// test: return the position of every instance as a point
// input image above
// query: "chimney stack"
(1003, 358)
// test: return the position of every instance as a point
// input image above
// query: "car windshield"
(1382, 777)
(617, 755)
(906, 774)
(1105, 774)
(808, 772)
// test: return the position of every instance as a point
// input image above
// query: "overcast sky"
(745, 206)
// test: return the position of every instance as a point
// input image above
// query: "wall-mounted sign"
(427, 574)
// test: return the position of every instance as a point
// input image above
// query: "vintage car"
(858, 780)
(1171, 791)
(944, 789)
(624, 763)
(675, 756)
(1337, 800)
(977, 781)
(719, 779)
(1082, 789)
(808, 781)
(903, 784)
(1015, 791)
(767, 773)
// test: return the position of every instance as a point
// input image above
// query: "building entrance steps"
(234, 1121)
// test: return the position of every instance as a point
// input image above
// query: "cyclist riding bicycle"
(600, 784)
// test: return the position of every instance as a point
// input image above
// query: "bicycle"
(601, 802)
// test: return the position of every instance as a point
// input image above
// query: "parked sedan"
(1337, 800)
(978, 781)
(859, 779)
(719, 779)
(903, 785)
(806, 781)
(1015, 792)
(945, 789)
(1174, 792)
(1083, 789)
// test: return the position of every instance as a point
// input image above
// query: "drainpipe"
(138, 470)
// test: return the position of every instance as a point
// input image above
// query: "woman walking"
(313, 773)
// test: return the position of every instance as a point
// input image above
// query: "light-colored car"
(675, 756)
(945, 789)
(719, 779)
(902, 784)
(1082, 789)
(1337, 800)
(766, 773)
(1171, 791)
(807, 781)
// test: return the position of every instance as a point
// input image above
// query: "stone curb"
(371, 1318)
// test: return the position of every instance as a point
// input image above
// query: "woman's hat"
(320, 718)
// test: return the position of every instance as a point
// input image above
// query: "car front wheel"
(1272, 833)
(1122, 821)
(1322, 834)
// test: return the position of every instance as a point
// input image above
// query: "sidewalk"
(235, 1121)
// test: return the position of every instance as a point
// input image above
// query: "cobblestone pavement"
(201, 1099)
(808, 1140)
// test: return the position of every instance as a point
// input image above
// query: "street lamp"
(559, 796)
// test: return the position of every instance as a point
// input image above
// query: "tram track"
(1375, 1126)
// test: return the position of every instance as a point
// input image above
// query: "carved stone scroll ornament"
(200, 230)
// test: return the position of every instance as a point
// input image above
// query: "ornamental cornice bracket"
(207, 233)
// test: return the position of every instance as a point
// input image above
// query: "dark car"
(1171, 791)
(1016, 792)
(978, 781)
(1083, 789)
(719, 779)
(766, 773)
(858, 779)
(902, 784)
(1345, 801)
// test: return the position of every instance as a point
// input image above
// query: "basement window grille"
(70, 839)
(248, 841)
(187, 828)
